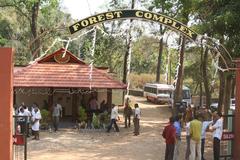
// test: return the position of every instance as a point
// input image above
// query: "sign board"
(226, 136)
(133, 14)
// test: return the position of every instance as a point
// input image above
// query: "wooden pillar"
(6, 103)
(109, 98)
(50, 99)
(236, 148)
(74, 106)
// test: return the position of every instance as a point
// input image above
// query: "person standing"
(195, 138)
(114, 118)
(178, 127)
(187, 154)
(217, 129)
(28, 114)
(169, 134)
(205, 125)
(36, 117)
(136, 120)
(56, 114)
(127, 112)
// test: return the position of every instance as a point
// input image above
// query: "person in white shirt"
(188, 138)
(114, 118)
(56, 114)
(136, 119)
(205, 125)
(22, 120)
(36, 123)
(28, 114)
(217, 129)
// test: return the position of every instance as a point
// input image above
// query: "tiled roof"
(75, 74)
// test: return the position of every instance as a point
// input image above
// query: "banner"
(133, 14)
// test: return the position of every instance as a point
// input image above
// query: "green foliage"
(45, 116)
(138, 80)
(95, 121)
(82, 115)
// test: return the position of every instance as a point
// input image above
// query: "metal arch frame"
(230, 64)
(154, 17)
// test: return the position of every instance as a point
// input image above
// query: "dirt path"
(70, 144)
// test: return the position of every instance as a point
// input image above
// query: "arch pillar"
(6, 103)
(236, 148)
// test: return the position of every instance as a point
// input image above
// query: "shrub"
(45, 116)
(82, 115)
(96, 122)
(45, 119)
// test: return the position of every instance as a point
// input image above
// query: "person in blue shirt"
(178, 128)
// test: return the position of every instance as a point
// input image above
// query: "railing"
(20, 132)
(226, 152)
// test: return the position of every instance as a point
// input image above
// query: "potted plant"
(82, 117)
(45, 119)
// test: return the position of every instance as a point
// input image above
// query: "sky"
(80, 9)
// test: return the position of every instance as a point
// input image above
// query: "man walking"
(169, 134)
(217, 129)
(205, 125)
(178, 128)
(57, 113)
(195, 135)
(127, 112)
(114, 117)
(136, 119)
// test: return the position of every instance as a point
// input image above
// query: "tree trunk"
(233, 86)
(35, 44)
(179, 81)
(221, 87)
(127, 53)
(227, 96)
(206, 78)
(159, 57)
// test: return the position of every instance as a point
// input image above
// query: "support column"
(74, 106)
(6, 103)
(236, 149)
(50, 100)
(109, 98)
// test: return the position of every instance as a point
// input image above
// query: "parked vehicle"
(214, 106)
(163, 93)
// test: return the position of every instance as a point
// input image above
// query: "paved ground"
(69, 144)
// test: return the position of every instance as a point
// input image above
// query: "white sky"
(79, 9)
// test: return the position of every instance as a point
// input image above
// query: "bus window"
(186, 94)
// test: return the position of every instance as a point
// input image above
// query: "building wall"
(29, 99)
(102, 95)
(117, 97)
(65, 99)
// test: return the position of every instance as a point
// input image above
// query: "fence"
(20, 133)
(226, 152)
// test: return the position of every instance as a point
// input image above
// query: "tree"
(30, 17)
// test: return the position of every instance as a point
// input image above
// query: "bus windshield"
(186, 94)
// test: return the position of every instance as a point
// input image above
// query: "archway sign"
(137, 14)
(184, 30)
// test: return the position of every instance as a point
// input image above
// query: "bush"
(96, 122)
(137, 81)
(45, 118)
(82, 115)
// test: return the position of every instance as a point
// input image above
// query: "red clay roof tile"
(75, 74)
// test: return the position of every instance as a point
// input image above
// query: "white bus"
(163, 93)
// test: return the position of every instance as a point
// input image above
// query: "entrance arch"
(154, 17)
(136, 14)
(175, 25)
